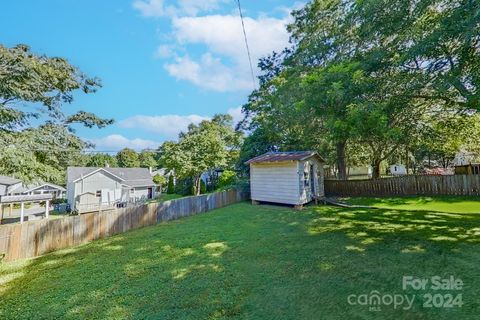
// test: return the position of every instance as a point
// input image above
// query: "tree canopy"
(36, 87)
(208, 145)
(370, 73)
(128, 158)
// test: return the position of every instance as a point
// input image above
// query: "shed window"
(98, 193)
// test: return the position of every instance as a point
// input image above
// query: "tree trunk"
(197, 186)
(341, 163)
(376, 174)
(406, 159)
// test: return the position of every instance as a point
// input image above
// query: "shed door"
(312, 180)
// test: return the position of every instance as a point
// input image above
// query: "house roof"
(8, 181)
(285, 156)
(32, 187)
(134, 177)
(25, 198)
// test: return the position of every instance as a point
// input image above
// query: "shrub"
(184, 187)
(171, 185)
(227, 180)
(159, 180)
(58, 201)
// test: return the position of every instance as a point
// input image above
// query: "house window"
(98, 193)
(132, 191)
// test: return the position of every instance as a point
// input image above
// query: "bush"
(203, 188)
(242, 184)
(171, 185)
(184, 187)
(159, 180)
(59, 201)
(227, 179)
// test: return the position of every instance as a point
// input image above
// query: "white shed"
(294, 178)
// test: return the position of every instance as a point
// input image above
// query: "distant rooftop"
(284, 156)
(8, 181)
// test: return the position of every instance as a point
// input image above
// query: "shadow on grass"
(139, 274)
(377, 226)
(244, 261)
(449, 204)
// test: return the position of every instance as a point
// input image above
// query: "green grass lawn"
(166, 197)
(253, 262)
(449, 204)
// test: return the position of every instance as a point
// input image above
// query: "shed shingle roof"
(284, 156)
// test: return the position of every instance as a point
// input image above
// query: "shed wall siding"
(275, 182)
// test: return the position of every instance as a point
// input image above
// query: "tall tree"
(102, 160)
(367, 72)
(36, 87)
(128, 158)
(148, 159)
(203, 147)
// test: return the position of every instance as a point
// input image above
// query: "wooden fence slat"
(461, 185)
(39, 237)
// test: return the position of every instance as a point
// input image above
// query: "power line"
(246, 44)
(92, 151)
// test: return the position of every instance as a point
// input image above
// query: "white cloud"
(158, 8)
(150, 8)
(117, 142)
(222, 34)
(167, 125)
(208, 73)
(193, 7)
(225, 66)
(236, 114)
(165, 51)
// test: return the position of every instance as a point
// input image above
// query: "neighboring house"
(439, 171)
(56, 191)
(294, 178)
(8, 185)
(398, 170)
(209, 177)
(360, 172)
(463, 158)
(164, 172)
(472, 168)
(161, 171)
(91, 189)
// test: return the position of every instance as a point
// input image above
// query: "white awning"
(25, 198)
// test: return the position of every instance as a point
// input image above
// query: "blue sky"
(163, 63)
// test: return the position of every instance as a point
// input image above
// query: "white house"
(360, 172)
(398, 170)
(8, 185)
(463, 158)
(91, 189)
(42, 188)
(294, 178)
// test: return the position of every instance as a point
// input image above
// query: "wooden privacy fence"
(461, 185)
(31, 239)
